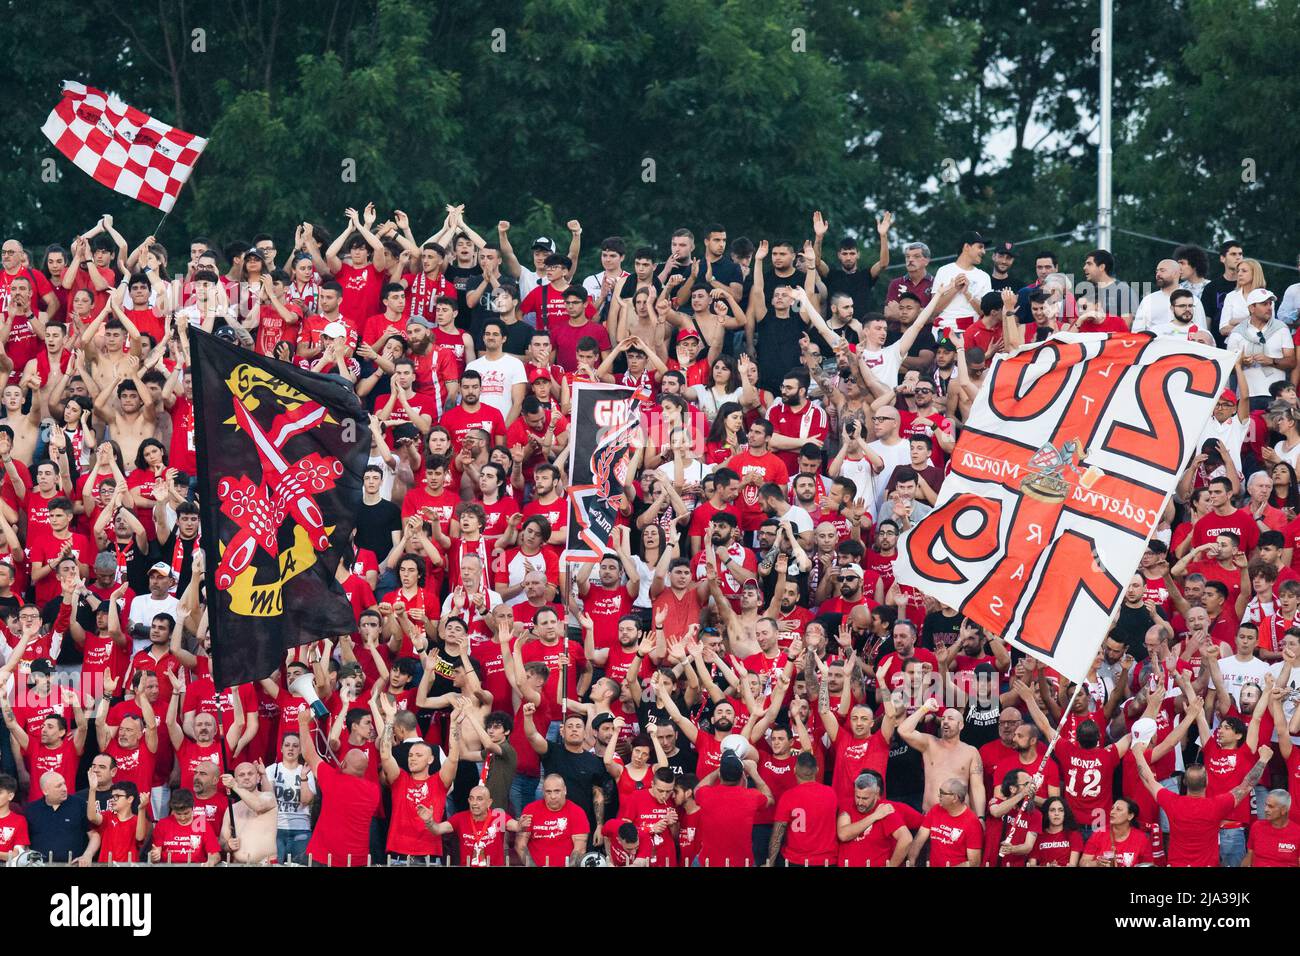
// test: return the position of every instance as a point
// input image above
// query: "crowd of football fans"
(739, 680)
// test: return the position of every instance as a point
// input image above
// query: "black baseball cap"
(973, 239)
(1004, 248)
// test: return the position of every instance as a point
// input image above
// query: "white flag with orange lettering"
(1060, 476)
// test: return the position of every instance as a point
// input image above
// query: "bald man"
(1154, 313)
(57, 823)
(946, 756)
(248, 831)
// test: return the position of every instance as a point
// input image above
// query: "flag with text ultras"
(281, 453)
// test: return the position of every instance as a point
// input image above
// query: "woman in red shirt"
(638, 772)
(727, 435)
(1060, 843)
(150, 465)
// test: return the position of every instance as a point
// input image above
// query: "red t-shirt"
(135, 765)
(875, 845)
(459, 421)
(360, 291)
(46, 549)
(482, 842)
(566, 338)
(1194, 826)
(810, 810)
(1018, 826)
(551, 832)
(342, 834)
(273, 328)
(62, 759)
(605, 606)
(1133, 850)
(182, 454)
(808, 424)
(1087, 776)
(769, 468)
(726, 823)
(1227, 769)
(778, 774)
(1272, 846)
(406, 831)
(193, 842)
(641, 808)
(117, 839)
(13, 832)
(852, 756)
(952, 836)
(1055, 849)
(1240, 523)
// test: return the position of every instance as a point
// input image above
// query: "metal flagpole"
(1104, 153)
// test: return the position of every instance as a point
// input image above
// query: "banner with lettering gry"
(1071, 450)
(606, 422)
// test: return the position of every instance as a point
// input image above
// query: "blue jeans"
(291, 845)
(1232, 846)
(523, 791)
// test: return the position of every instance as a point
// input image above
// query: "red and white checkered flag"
(125, 149)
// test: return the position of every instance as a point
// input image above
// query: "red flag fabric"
(126, 150)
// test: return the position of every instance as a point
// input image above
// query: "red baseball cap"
(687, 333)
(1228, 395)
(536, 371)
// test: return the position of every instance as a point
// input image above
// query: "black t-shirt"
(138, 564)
(685, 760)
(939, 629)
(857, 284)
(463, 280)
(771, 280)
(58, 831)
(999, 284)
(375, 526)
(1131, 627)
(777, 343)
(981, 725)
(518, 334)
(581, 772)
(167, 549)
(724, 270)
(905, 774)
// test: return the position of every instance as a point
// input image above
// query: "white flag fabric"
(1067, 460)
(126, 150)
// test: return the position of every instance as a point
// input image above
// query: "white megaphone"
(305, 687)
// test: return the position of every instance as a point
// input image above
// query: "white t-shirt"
(799, 519)
(1246, 338)
(858, 471)
(1154, 314)
(144, 607)
(978, 283)
(1234, 311)
(1288, 705)
(499, 378)
(1237, 674)
(1232, 433)
(286, 785)
(895, 456)
(883, 364)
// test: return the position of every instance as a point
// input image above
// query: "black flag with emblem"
(281, 453)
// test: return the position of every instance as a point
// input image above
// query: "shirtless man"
(104, 350)
(252, 817)
(136, 416)
(946, 757)
(26, 428)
